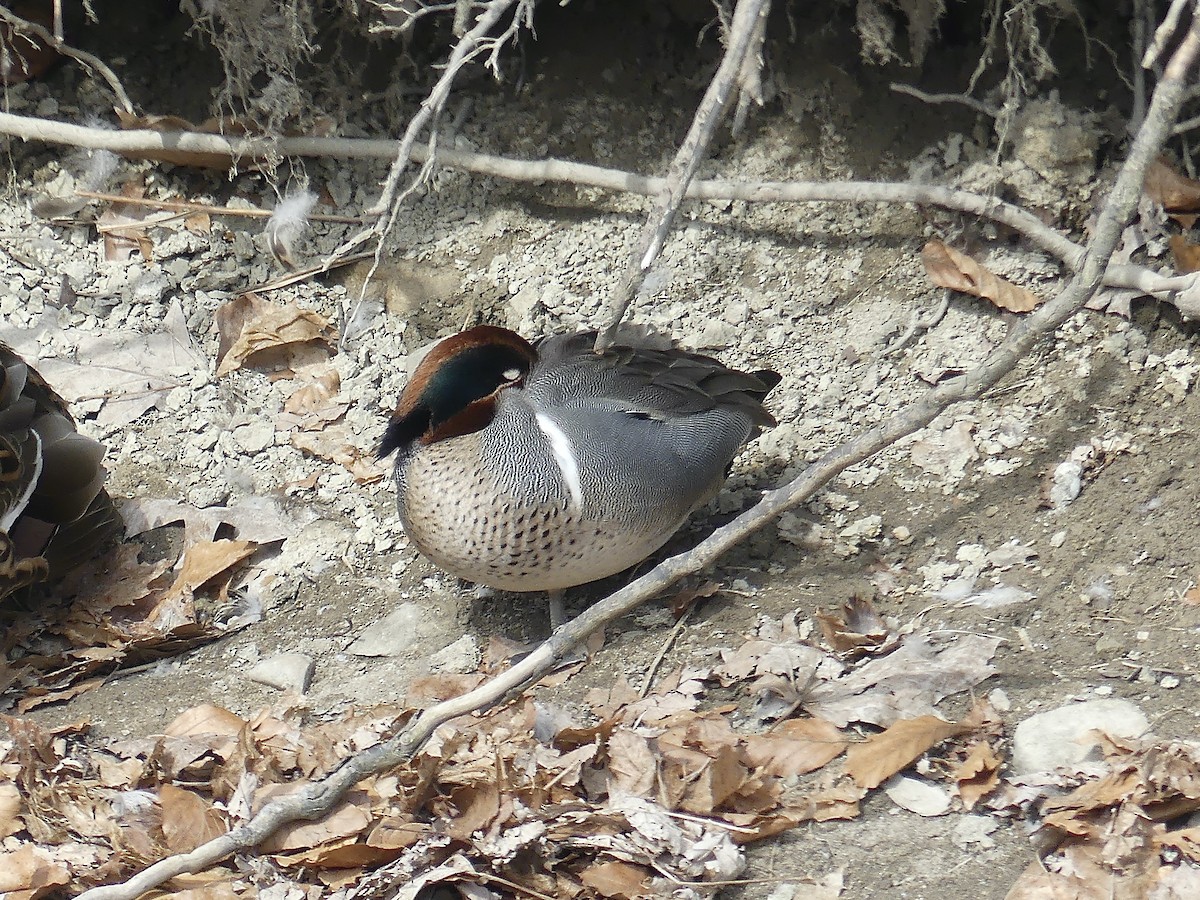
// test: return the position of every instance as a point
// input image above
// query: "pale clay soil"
(816, 291)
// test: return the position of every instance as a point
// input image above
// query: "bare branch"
(55, 41)
(1166, 288)
(188, 206)
(473, 43)
(964, 99)
(708, 117)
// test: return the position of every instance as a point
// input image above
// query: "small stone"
(975, 830)
(1169, 682)
(254, 437)
(1063, 738)
(392, 635)
(284, 671)
(1058, 539)
(999, 700)
(1107, 644)
(917, 795)
(461, 657)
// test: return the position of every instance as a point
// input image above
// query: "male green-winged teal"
(540, 467)
(54, 512)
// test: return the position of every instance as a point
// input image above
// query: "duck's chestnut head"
(453, 390)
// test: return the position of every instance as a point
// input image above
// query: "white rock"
(999, 700)
(975, 830)
(393, 634)
(284, 671)
(917, 795)
(1061, 738)
(461, 657)
(254, 437)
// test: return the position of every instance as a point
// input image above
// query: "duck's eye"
(511, 374)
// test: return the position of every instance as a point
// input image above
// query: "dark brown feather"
(54, 512)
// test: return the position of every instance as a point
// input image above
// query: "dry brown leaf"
(334, 445)
(1185, 253)
(858, 630)
(949, 268)
(124, 226)
(225, 889)
(622, 880)
(10, 809)
(188, 820)
(29, 872)
(882, 755)
(277, 338)
(687, 598)
(978, 775)
(794, 747)
(1076, 874)
(205, 561)
(348, 853)
(718, 780)
(321, 386)
(206, 719)
(198, 222)
(632, 765)
(346, 820)
(1167, 187)
(478, 805)
(444, 686)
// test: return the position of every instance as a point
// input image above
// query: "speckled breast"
(523, 539)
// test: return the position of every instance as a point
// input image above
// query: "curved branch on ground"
(319, 798)
(1183, 291)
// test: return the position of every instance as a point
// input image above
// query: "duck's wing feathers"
(647, 381)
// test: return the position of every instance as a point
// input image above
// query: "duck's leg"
(558, 609)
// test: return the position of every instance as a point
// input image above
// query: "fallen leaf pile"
(123, 612)
(624, 796)
(1125, 831)
(128, 614)
(286, 341)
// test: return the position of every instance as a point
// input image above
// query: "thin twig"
(964, 99)
(1167, 30)
(708, 117)
(648, 679)
(188, 206)
(387, 208)
(315, 800)
(56, 42)
(920, 323)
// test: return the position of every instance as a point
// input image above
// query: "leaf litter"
(620, 796)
